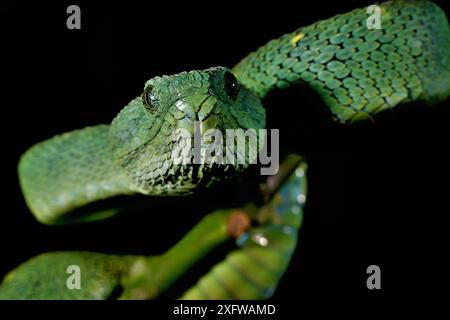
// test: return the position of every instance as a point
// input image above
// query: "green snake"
(358, 71)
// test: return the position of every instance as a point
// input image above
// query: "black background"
(377, 192)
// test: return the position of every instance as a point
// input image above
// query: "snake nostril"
(187, 109)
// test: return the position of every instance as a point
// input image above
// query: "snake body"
(358, 72)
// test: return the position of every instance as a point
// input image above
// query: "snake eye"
(231, 85)
(149, 99)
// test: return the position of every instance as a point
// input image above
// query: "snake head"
(163, 139)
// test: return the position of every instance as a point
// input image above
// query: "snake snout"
(200, 108)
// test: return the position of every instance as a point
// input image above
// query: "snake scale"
(358, 71)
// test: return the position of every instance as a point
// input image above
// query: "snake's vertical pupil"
(231, 85)
(149, 98)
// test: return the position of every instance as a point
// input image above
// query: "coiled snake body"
(358, 71)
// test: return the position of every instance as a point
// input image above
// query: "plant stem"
(205, 236)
